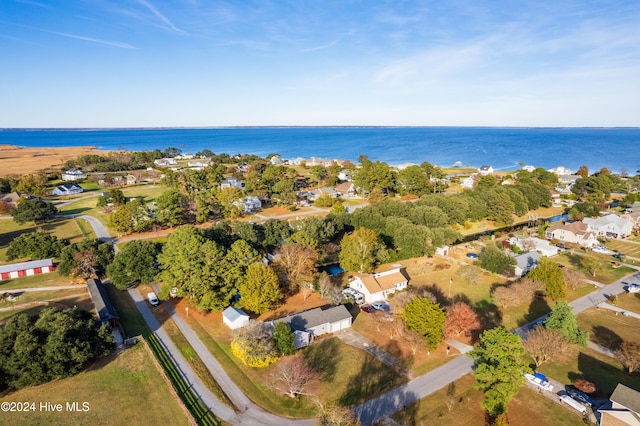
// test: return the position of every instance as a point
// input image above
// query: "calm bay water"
(502, 148)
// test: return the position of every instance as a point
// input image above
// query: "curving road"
(368, 413)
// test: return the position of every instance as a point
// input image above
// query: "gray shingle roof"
(314, 317)
(101, 301)
(626, 397)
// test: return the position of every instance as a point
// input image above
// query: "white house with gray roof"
(318, 321)
(610, 226)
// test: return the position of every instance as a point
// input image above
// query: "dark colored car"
(561, 246)
(618, 255)
(472, 255)
(368, 309)
(580, 396)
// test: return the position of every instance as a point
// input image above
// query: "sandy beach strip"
(15, 160)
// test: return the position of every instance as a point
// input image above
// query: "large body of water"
(502, 148)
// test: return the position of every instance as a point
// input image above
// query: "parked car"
(472, 255)
(618, 255)
(153, 299)
(601, 250)
(539, 380)
(381, 306)
(561, 246)
(368, 308)
(580, 396)
(633, 288)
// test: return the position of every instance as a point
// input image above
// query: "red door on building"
(4, 276)
(37, 270)
(22, 273)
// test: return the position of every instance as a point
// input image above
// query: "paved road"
(250, 414)
(392, 401)
(617, 309)
(198, 388)
(99, 229)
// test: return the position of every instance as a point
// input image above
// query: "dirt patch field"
(23, 161)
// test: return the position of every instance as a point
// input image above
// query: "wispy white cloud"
(321, 47)
(94, 40)
(160, 16)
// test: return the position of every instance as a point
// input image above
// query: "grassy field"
(629, 301)
(489, 225)
(44, 280)
(350, 376)
(607, 274)
(74, 230)
(608, 329)
(602, 370)
(629, 249)
(114, 387)
(528, 408)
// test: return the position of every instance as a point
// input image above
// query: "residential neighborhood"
(292, 261)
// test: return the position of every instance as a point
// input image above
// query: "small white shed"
(235, 318)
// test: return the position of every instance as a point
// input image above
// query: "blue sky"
(138, 63)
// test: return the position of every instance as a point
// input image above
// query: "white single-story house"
(541, 246)
(376, 287)
(317, 321)
(26, 269)
(575, 233)
(73, 174)
(317, 193)
(67, 189)
(229, 182)
(234, 318)
(249, 204)
(624, 409)
(610, 226)
(468, 182)
(528, 168)
(526, 262)
(485, 170)
(163, 162)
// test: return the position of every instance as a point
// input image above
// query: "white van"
(153, 299)
(574, 404)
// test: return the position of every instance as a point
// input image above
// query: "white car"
(601, 250)
(539, 380)
(153, 299)
(633, 288)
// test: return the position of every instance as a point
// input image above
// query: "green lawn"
(608, 329)
(528, 408)
(622, 246)
(602, 370)
(135, 325)
(123, 388)
(607, 274)
(74, 230)
(43, 280)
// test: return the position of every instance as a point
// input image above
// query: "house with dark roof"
(26, 269)
(485, 170)
(376, 287)
(624, 410)
(105, 310)
(318, 321)
(67, 189)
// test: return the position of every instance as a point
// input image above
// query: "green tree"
(170, 208)
(500, 367)
(549, 272)
(32, 184)
(563, 320)
(134, 263)
(131, 217)
(495, 260)
(88, 257)
(360, 250)
(283, 339)
(426, 318)
(197, 267)
(51, 345)
(33, 211)
(35, 245)
(260, 289)
(228, 201)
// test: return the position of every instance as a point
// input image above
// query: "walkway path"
(616, 309)
(250, 414)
